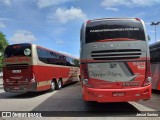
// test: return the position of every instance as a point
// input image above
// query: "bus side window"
(42, 55)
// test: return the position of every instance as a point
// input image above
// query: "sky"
(56, 24)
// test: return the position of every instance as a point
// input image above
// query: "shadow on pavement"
(7, 95)
(156, 92)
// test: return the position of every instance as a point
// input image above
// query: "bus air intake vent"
(120, 54)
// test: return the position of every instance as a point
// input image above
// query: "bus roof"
(101, 19)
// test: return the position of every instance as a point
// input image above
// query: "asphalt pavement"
(67, 104)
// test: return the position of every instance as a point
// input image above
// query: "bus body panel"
(47, 73)
(119, 65)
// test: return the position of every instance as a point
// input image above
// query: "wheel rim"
(52, 85)
(59, 84)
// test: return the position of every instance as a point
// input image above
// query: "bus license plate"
(16, 71)
(118, 94)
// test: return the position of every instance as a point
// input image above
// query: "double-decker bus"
(155, 65)
(115, 60)
(28, 67)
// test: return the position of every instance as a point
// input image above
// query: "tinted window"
(18, 50)
(51, 57)
(112, 29)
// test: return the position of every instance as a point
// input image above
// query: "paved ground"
(68, 102)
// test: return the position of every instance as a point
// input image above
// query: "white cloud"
(7, 2)
(111, 8)
(129, 3)
(60, 42)
(2, 25)
(47, 3)
(63, 15)
(23, 36)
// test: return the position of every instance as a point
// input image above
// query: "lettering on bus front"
(115, 29)
(109, 73)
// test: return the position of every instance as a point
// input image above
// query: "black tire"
(59, 84)
(53, 86)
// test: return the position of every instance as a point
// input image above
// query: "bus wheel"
(53, 86)
(59, 84)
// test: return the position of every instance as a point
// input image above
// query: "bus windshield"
(18, 50)
(97, 31)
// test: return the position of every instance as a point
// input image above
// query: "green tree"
(76, 62)
(3, 45)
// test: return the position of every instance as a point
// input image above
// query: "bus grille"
(120, 54)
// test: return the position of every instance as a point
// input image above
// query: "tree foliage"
(3, 45)
(76, 62)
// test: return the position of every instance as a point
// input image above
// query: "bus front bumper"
(116, 95)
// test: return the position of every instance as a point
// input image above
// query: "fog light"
(137, 95)
(100, 95)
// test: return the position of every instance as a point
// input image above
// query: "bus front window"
(18, 51)
(114, 30)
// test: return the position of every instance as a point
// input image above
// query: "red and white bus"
(28, 67)
(155, 65)
(115, 60)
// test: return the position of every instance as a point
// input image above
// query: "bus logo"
(27, 52)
